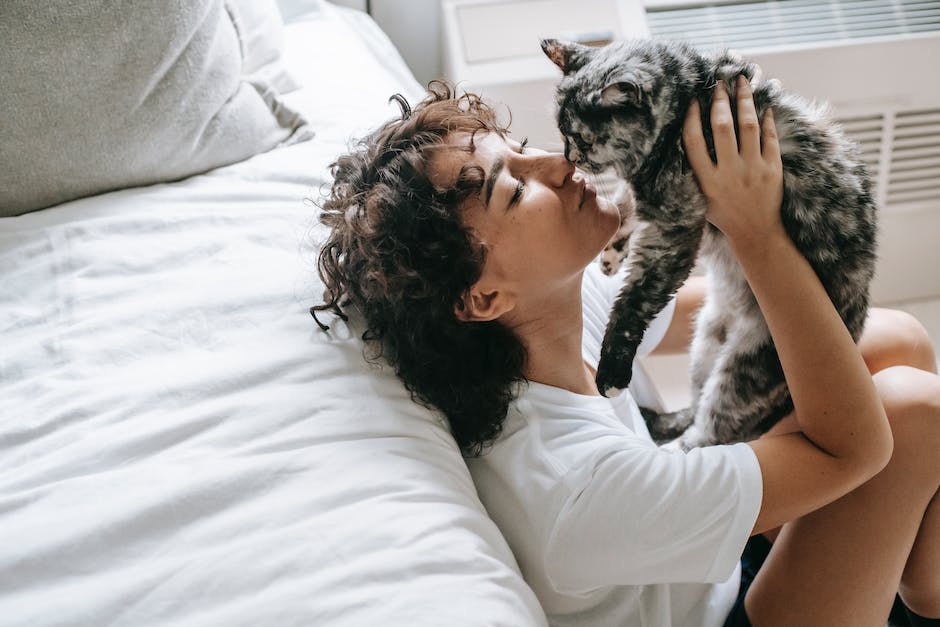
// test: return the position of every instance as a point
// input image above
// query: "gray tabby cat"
(623, 106)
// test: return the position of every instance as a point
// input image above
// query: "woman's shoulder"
(566, 428)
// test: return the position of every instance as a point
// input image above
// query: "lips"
(585, 192)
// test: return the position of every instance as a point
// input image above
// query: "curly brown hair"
(400, 253)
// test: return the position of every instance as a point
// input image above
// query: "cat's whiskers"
(601, 185)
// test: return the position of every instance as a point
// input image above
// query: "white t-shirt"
(607, 528)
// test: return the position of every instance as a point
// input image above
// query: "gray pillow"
(101, 95)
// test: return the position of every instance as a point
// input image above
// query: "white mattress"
(181, 445)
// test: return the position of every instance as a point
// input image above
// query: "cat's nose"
(572, 153)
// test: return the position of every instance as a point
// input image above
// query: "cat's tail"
(667, 426)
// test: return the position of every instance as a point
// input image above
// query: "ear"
(567, 55)
(479, 305)
(621, 93)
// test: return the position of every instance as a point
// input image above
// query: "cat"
(623, 106)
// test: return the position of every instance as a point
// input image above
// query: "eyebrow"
(498, 166)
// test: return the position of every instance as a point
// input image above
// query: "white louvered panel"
(915, 158)
(868, 133)
(913, 119)
(914, 196)
(753, 25)
(901, 166)
(827, 19)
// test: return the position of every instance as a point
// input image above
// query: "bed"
(181, 445)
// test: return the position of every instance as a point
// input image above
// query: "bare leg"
(895, 338)
(920, 583)
(890, 338)
(842, 564)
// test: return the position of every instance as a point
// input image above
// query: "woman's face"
(540, 219)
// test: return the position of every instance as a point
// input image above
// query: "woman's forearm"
(836, 404)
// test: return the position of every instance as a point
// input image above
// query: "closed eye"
(520, 186)
(517, 194)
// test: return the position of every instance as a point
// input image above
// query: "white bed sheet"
(181, 445)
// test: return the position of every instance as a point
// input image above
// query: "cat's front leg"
(660, 260)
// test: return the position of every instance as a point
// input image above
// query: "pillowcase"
(294, 10)
(260, 31)
(98, 96)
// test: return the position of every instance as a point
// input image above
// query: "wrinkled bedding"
(181, 445)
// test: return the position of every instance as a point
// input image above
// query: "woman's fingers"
(771, 149)
(749, 131)
(726, 145)
(694, 140)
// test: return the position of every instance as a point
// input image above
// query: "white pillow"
(260, 35)
(99, 96)
(292, 10)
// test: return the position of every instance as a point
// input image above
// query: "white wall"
(414, 27)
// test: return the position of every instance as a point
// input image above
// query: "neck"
(551, 328)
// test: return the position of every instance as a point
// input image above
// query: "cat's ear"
(567, 55)
(621, 93)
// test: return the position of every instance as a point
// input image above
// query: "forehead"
(456, 152)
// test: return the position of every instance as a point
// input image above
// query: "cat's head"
(612, 102)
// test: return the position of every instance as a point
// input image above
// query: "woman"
(465, 252)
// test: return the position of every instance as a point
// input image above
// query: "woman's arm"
(845, 438)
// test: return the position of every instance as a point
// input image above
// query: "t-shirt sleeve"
(642, 515)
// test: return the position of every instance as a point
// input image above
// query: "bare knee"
(911, 398)
(912, 402)
(922, 598)
(896, 338)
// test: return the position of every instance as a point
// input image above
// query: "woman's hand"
(744, 189)
(845, 438)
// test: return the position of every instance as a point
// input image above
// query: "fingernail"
(742, 81)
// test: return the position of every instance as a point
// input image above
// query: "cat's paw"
(614, 373)
(693, 438)
(612, 256)
(616, 250)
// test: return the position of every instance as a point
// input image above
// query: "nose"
(553, 168)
